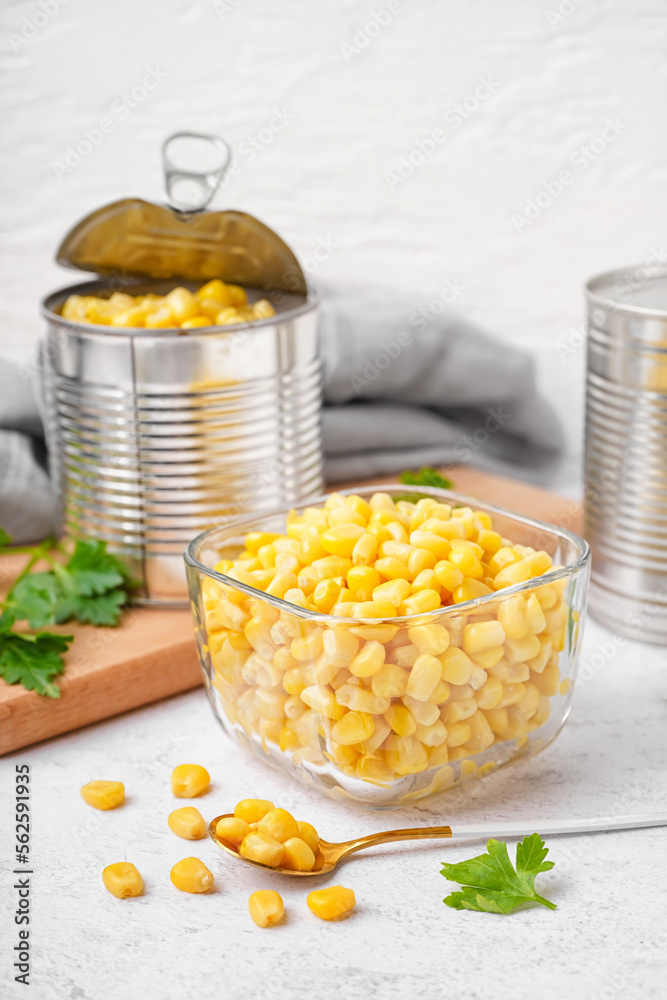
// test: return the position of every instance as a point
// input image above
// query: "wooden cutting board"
(152, 654)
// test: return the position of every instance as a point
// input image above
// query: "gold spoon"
(330, 855)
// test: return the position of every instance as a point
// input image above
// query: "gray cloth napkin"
(406, 383)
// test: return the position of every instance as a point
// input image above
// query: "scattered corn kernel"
(103, 794)
(191, 875)
(266, 907)
(187, 823)
(189, 781)
(123, 880)
(331, 903)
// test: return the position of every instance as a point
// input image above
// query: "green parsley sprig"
(426, 477)
(87, 584)
(491, 883)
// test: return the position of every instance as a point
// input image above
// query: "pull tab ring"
(194, 164)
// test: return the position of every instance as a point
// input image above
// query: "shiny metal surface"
(155, 436)
(626, 450)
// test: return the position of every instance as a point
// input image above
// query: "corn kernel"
(191, 875)
(331, 903)
(470, 590)
(297, 855)
(103, 794)
(421, 602)
(425, 713)
(359, 699)
(252, 810)
(482, 636)
(457, 666)
(373, 609)
(424, 676)
(266, 907)
(448, 576)
(309, 834)
(187, 823)
(189, 781)
(390, 681)
(400, 720)
(263, 848)
(354, 727)
(280, 824)
(123, 880)
(368, 660)
(365, 549)
(535, 615)
(394, 591)
(362, 580)
(232, 829)
(433, 543)
(392, 569)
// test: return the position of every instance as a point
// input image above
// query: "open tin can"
(155, 435)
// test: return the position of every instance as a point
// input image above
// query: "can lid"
(140, 239)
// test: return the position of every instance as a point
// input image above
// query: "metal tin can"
(626, 450)
(155, 435)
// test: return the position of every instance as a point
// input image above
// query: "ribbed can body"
(154, 437)
(626, 450)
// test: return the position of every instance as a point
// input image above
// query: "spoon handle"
(552, 827)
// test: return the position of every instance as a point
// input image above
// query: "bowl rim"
(581, 545)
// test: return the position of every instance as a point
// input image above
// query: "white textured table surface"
(606, 939)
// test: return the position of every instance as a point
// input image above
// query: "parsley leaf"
(93, 570)
(491, 884)
(426, 477)
(5, 539)
(34, 599)
(31, 660)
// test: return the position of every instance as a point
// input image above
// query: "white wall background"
(560, 70)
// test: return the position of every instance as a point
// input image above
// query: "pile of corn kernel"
(257, 830)
(383, 700)
(214, 304)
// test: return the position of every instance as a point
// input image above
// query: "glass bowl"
(276, 674)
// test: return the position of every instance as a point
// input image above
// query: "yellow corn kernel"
(263, 848)
(505, 556)
(280, 824)
(489, 657)
(396, 550)
(432, 639)
(281, 583)
(425, 580)
(394, 591)
(322, 700)
(482, 636)
(547, 596)
(490, 693)
(392, 569)
(390, 681)
(547, 682)
(448, 576)
(252, 810)
(343, 609)
(354, 727)
(341, 539)
(307, 648)
(512, 616)
(365, 549)
(539, 662)
(400, 720)
(421, 602)
(266, 907)
(512, 693)
(489, 540)
(535, 615)
(422, 561)
(458, 733)
(374, 770)
(161, 319)
(432, 736)
(191, 875)
(470, 590)
(330, 567)
(297, 855)
(103, 794)
(406, 755)
(325, 595)
(441, 693)
(345, 756)
(340, 646)
(457, 667)
(381, 501)
(309, 834)
(397, 530)
(345, 515)
(464, 558)
(433, 543)
(195, 323)
(459, 710)
(232, 829)
(187, 823)
(362, 581)
(131, 317)
(444, 529)
(425, 713)
(289, 739)
(520, 650)
(123, 879)
(331, 903)
(262, 309)
(368, 660)
(424, 676)
(293, 681)
(373, 609)
(189, 781)
(481, 735)
(360, 699)
(517, 572)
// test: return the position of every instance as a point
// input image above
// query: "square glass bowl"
(277, 675)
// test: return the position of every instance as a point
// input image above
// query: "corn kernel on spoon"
(330, 855)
